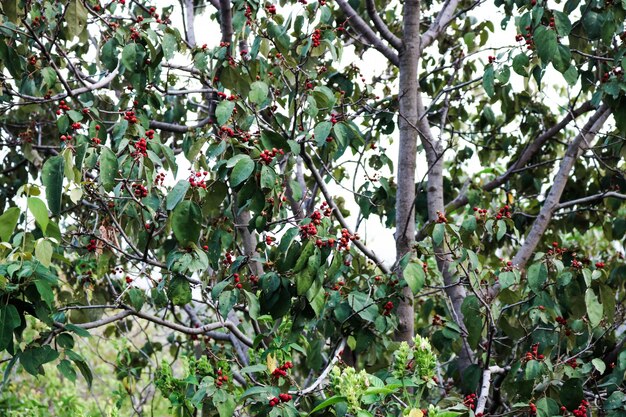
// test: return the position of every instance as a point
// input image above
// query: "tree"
(252, 270)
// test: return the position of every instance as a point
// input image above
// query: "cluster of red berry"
(491, 59)
(308, 230)
(270, 9)
(267, 156)
(254, 279)
(130, 116)
(441, 218)
(248, 14)
(227, 131)
(563, 322)
(76, 125)
(228, 258)
(581, 411)
(470, 401)
(66, 138)
(141, 148)
(600, 265)
(140, 191)
(281, 398)
(533, 354)
(269, 240)
(572, 363)
(346, 238)
(508, 267)
(437, 320)
(556, 250)
(96, 140)
(198, 179)
(237, 280)
(160, 177)
(334, 118)
(387, 308)
(221, 378)
(129, 280)
(91, 247)
(281, 371)
(503, 212)
(533, 408)
(134, 33)
(150, 133)
(316, 37)
(63, 107)
(338, 285)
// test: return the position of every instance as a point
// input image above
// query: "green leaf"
(8, 221)
(501, 224)
(169, 45)
(38, 208)
(593, 22)
(108, 168)
(562, 23)
(223, 111)
(594, 308)
(241, 171)
(537, 276)
(438, 233)
(137, 298)
(258, 92)
(571, 75)
(52, 178)
(305, 278)
(45, 291)
(66, 368)
(108, 55)
(268, 177)
(321, 132)
(227, 300)
(414, 276)
(49, 76)
(179, 291)
(599, 365)
(84, 370)
(488, 81)
(546, 43)
(43, 252)
(75, 18)
(129, 56)
(572, 393)
(328, 402)
(472, 317)
(186, 222)
(33, 358)
(547, 407)
(177, 194)
(562, 59)
(9, 321)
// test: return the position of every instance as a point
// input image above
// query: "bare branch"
(590, 199)
(381, 27)
(318, 381)
(438, 26)
(574, 150)
(176, 128)
(484, 389)
(366, 31)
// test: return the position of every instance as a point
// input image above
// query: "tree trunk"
(405, 196)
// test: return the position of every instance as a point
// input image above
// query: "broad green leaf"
(562, 23)
(33, 358)
(520, 62)
(268, 177)
(179, 291)
(321, 132)
(438, 234)
(45, 291)
(108, 55)
(488, 81)
(414, 276)
(546, 43)
(599, 365)
(169, 45)
(129, 56)
(75, 18)
(8, 221)
(241, 171)
(223, 111)
(43, 252)
(537, 276)
(305, 278)
(49, 76)
(38, 209)
(177, 194)
(594, 308)
(501, 224)
(258, 92)
(66, 368)
(9, 320)
(108, 168)
(186, 222)
(472, 317)
(52, 178)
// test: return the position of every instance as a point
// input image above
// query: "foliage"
(240, 285)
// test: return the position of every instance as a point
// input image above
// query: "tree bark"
(405, 195)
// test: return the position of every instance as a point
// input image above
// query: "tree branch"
(590, 199)
(363, 28)
(484, 389)
(438, 26)
(381, 27)
(574, 150)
